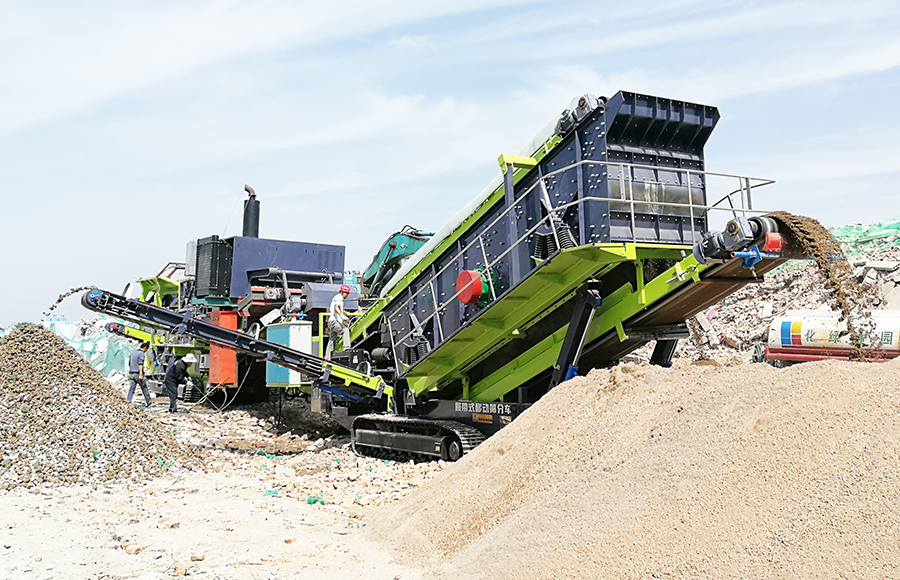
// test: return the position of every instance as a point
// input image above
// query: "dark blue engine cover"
(256, 253)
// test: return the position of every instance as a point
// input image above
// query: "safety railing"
(738, 200)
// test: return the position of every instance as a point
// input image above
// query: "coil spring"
(417, 352)
(566, 239)
(540, 246)
(552, 248)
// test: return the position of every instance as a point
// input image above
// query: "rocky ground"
(215, 526)
(297, 466)
(259, 505)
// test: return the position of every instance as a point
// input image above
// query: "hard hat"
(345, 288)
(189, 358)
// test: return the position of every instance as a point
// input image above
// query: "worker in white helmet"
(175, 375)
(338, 321)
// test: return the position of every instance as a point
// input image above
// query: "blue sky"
(130, 128)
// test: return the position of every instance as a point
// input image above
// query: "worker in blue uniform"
(176, 374)
(136, 373)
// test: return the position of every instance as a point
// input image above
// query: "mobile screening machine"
(605, 233)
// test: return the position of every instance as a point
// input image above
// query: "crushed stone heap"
(61, 422)
(698, 471)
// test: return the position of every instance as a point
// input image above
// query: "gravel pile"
(61, 422)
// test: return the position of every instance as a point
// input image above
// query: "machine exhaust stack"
(251, 214)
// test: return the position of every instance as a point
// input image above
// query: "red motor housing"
(472, 293)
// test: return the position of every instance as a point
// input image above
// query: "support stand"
(663, 352)
(587, 299)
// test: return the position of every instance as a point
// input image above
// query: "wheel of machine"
(454, 450)
(759, 354)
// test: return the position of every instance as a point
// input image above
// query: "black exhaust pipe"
(251, 214)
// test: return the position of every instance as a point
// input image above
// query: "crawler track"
(405, 438)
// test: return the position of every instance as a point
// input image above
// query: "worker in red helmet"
(338, 321)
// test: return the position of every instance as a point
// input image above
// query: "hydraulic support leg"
(587, 299)
(663, 352)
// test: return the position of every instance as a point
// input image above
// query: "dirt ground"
(94, 487)
(214, 526)
(240, 515)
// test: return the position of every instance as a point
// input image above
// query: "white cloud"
(69, 58)
(132, 128)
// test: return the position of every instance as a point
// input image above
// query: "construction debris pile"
(741, 322)
(696, 471)
(61, 422)
(322, 470)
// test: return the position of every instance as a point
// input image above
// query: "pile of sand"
(690, 472)
(61, 422)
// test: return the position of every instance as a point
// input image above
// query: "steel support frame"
(617, 308)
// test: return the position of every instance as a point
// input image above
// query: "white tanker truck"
(810, 335)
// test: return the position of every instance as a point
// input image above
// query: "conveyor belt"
(312, 366)
(714, 285)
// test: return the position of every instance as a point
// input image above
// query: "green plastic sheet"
(862, 239)
(104, 351)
